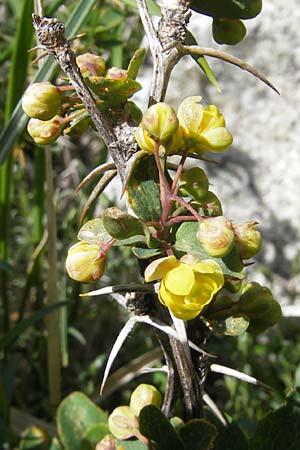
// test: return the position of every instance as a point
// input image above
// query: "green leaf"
(75, 415)
(233, 325)
(186, 241)
(94, 232)
(136, 62)
(155, 426)
(34, 438)
(279, 429)
(121, 225)
(202, 62)
(228, 31)
(111, 90)
(231, 438)
(18, 119)
(143, 191)
(131, 445)
(145, 253)
(198, 434)
(93, 435)
(153, 7)
(232, 9)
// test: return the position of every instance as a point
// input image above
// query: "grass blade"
(18, 119)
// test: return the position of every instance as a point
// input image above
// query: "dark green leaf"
(186, 241)
(231, 438)
(198, 434)
(143, 190)
(232, 9)
(94, 232)
(279, 430)
(76, 414)
(155, 426)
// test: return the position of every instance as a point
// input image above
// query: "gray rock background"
(259, 176)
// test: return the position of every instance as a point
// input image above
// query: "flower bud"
(114, 73)
(45, 132)
(248, 239)
(83, 263)
(144, 395)
(90, 65)
(160, 121)
(216, 236)
(122, 422)
(258, 303)
(41, 100)
(255, 300)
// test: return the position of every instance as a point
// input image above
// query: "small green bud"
(216, 236)
(143, 395)
(83, 263)
(255, 300)
(45, 132)
(122, 423)
(195, 182)
(90, 65)
(248, 239)
(160, 121)
(41, 100)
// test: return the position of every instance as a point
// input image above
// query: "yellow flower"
(186, 285)
(204, 128)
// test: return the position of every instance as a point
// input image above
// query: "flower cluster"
(195, 128)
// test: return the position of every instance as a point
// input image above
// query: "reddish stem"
(180, 219)
(182, 202)
(104, 248)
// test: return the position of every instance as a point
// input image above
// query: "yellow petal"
(180, 280)
(175, 304)
(158, 268)
(218, 139)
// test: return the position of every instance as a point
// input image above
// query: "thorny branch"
(51, 38)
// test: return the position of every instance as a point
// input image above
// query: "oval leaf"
(94, 232)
